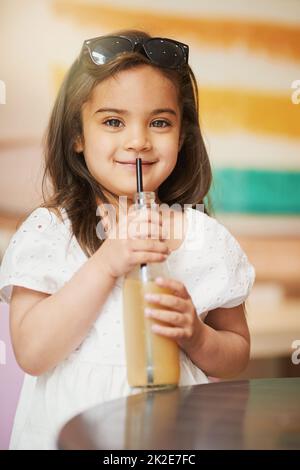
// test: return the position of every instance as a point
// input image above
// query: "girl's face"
(135, 113)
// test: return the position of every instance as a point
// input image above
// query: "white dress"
(43, 255)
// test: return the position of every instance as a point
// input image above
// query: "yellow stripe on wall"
(225, 110)
(274, 39)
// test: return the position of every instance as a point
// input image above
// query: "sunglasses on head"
(160, 51)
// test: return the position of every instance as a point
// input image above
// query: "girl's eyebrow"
(124, 111)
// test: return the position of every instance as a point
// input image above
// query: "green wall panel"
(256, 191)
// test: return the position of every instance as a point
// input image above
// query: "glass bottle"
(152, 359)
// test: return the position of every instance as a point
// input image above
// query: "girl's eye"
(161, 121)
(114, 122)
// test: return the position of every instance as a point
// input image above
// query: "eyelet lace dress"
(43, 255)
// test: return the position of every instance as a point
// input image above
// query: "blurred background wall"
(246, 57)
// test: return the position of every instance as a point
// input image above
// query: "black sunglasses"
(160, 51)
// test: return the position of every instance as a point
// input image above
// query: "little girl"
(126, 95)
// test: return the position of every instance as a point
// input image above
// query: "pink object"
(11, 379)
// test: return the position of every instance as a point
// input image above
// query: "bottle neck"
(144, 198)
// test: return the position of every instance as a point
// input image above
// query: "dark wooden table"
(254, 414)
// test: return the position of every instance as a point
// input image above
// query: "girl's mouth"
(132, 166)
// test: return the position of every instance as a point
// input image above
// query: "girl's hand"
(138, 240)
(184, 325)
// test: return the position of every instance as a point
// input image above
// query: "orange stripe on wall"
(273, 39)
(225, 110)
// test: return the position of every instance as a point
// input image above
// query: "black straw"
(139, 175)
(139, 184)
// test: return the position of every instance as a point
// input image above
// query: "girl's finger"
(146, 214)
(149, 230)
(150, 245)
(177, 287)
(169, 331)
(166, 316)
(174, 303)
(149, 257)
(145, 230)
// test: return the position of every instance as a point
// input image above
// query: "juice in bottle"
(152, 359)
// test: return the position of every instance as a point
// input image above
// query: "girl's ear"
(78, 146)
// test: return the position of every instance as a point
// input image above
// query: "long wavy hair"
(74, 188)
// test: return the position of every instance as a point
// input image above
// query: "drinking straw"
(139, 175)
(144, 277)
(139, 186)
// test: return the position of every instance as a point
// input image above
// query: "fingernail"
(148, 312)
(151, 297)
(155, 328)
(159, 280)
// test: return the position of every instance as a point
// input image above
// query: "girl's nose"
(139, 141)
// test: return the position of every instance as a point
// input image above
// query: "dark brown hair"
(74, 188)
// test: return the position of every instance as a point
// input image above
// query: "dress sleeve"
(36, 255)
(237, 273)
(222, 276)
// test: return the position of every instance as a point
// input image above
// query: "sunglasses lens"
(165, 52)
(105, 49)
